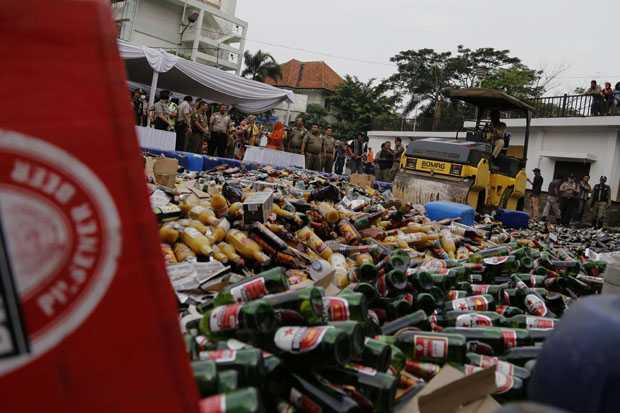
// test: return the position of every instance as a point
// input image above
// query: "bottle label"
(533, 280)
(409, 298)
(221, 356)
(381, 286)
(336, 308)
(503, 382)
(192, 232)
(480, 288)
(473, 303)
(454, 294)
(535, 305)
(299, 339)
(435, 266)
(510, 338)
(501, 366)
(430, 347)
(495, 260)
(201, 343)
(501, 309)
(213, 404)
(369, 371)
(249, 291)
(224, 318)
(303, 402)
(537, 323)
(473, 320)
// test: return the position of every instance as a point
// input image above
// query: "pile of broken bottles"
(343, 299)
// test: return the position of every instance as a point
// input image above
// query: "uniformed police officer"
(312, 147)
(329, 150)
(601, 198)
(296, 136)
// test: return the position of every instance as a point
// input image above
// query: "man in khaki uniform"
(329, 151)
(312, 147)
(296, 137)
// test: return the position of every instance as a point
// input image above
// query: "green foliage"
(260, 66)
(517, 80)
(315, 114)
(426, 73)
(358, 105)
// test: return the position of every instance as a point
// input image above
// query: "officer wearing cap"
(601, 199)
(535, 194)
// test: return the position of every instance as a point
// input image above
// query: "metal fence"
(571, 106)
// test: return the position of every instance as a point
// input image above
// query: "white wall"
(157, 24)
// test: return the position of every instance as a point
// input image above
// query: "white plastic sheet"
(196, 79)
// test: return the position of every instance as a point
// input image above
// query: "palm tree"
(260, 66)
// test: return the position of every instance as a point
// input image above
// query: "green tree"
(260, 65)
(315, 114)
(358, 105)
(425, 74)
(517, 80)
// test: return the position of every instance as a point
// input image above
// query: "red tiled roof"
(307, 75)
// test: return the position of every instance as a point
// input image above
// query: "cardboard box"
(366, 181)
(257, 207)
(451, 391)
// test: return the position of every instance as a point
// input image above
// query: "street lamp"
(191, 19)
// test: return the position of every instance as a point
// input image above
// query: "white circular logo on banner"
(63, 235)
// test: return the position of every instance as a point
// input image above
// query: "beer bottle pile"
(399, 296)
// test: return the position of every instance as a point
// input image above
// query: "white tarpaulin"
(166, 71)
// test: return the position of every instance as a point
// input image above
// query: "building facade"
(316, 80)
(204, 31)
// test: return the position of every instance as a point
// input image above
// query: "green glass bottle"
(531, 280)
(376, 354)
(313, 346)
(484, 302)
(468, 319)
(594, 268)
(521, 355)
(271, 281)
(306, 301)
(396, 280)
(247, 362)
(345, 306)
(530, 322)
(425, 302)
(365, 220)
(432, 347)
(355, 331)
(422, 369)
(508, 311)
(210, 382)
(422, 280)
(500, 265)
(500, 339)
(379, 388)
(240, 401)
(417, 319)
(227, 320)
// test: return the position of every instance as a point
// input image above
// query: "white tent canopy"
(164, 70)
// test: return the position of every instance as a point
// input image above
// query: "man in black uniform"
(601, 198)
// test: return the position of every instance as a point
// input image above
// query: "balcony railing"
(572, 106)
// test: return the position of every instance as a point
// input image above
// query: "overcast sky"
(359, 36)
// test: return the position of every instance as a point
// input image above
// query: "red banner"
(88, 319)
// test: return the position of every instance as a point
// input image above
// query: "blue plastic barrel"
(579, 366)
(513, 219)
(442, 209)
(191, 161)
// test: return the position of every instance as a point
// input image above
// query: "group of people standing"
(605, 101)
(322, 151)
(568, 198)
